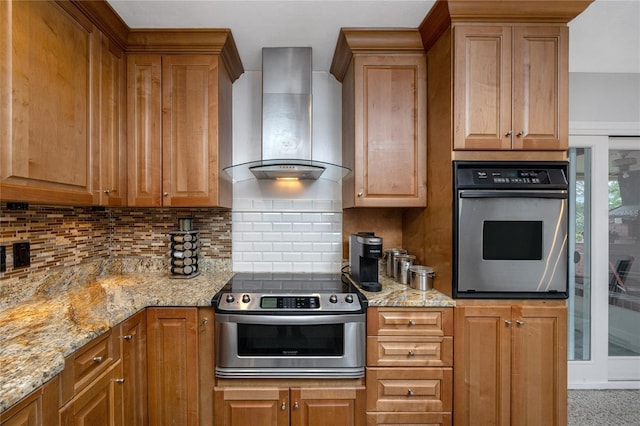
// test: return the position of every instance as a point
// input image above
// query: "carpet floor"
(604, 407)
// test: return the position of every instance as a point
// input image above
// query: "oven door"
(290, 345)
(511, 244)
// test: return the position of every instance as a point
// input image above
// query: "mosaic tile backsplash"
(61, 237)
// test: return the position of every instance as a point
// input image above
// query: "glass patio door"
(624, 259)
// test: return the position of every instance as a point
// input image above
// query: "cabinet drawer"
(409, 389)
(394, 419)
(87, 363)
(410, 351)
(410, 322)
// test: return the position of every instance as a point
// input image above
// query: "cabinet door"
(389, 151)
(206, 364)
(482, 365)
(328, 406)
(109, 162)
(134, 365)
(144, 120)
(40, 408)
(98, 404)
(172, 356)
(45, 95)
(237, 406)
(190, 130)
(482, 88)
(540, 88)
(539, 365)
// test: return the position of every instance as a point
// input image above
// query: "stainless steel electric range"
(290, 325)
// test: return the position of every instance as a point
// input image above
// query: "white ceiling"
(605, 38)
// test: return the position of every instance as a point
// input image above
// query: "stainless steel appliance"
(510, 230)
(290, 325)
(364, 251)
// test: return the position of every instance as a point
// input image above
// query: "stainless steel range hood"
(286, 121)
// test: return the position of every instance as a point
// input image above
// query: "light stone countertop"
(64, 314)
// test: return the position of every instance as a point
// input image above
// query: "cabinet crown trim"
(372, 40)
(445, 12)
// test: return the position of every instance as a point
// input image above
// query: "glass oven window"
(290, 340)
(512, 240)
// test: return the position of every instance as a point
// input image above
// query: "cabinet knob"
(283, 407)
(509, 133)
(98, 359)
(120, 380)
(165, 194)
(508, 323)
(106, 191)
(127, 337)
(412, 323)
(360, 194)
(409, 392)
(295, 405)
(520, 323)
(520, 133)
(411, 353)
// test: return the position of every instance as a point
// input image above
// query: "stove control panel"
(249, 302)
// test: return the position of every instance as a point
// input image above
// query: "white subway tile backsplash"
(271, 240)
(301, 227)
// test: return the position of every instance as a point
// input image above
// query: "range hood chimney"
(286, 121)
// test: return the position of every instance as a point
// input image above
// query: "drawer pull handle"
(520, 323)
(409, 392)
(98, 359)
(127, 337)
(283, 407)
(411, 323)
(121, 380)
(411, 353)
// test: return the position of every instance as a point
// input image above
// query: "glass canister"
(390, 255)
(403, 262)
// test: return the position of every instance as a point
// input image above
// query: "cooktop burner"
(289, 293)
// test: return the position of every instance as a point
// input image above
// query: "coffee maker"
(364, 251)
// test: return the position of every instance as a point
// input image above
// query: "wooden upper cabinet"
(383, 75)
(109, 149)
(511, 87)
(46, 52)
(179, 117)
(144, 144)
(191, 153)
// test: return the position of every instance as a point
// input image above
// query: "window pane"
(624, 252)
(580, 246)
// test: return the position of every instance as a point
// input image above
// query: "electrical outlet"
(21, 254)
(3, 259)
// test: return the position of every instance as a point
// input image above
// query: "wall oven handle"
(557, 195)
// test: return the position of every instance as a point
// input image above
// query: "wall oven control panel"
(512, 176)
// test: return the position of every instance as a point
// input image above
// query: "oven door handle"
(556, 195)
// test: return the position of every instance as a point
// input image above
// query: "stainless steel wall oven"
(290, 325)
(510, 229)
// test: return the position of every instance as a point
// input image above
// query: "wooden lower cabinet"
(302, 406)
(172, 356)
(511, 363)
(409, 366)
(40, 408)
(99, 403)
(133, 333)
